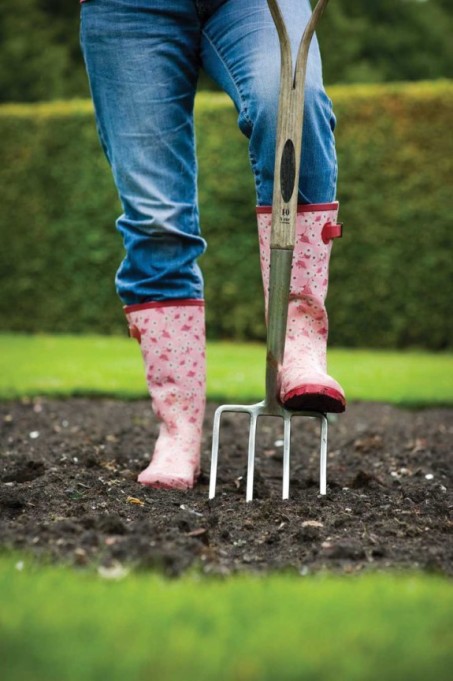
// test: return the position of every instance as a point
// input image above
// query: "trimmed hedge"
(391, 275)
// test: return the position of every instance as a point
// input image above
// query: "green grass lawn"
(105, 365)
(59, 625)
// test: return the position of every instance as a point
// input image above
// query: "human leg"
(172, 341)
(304, 381)
(240, 49)
(142, 61)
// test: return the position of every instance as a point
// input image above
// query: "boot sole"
(315, 398)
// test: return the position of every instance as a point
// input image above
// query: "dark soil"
(68, 492)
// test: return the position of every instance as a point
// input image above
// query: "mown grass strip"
(111, 365)
(57, 624)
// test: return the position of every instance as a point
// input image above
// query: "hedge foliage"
(391, 274)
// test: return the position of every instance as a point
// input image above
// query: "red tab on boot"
(134, 332)
(330, 231)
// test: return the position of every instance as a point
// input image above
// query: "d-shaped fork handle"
(289, 126)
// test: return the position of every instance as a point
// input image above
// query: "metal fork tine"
(251, 456)
(323, 456)
(215, 452)
(286, 454)
(262, 409)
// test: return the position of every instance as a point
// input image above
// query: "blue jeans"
(143, 59)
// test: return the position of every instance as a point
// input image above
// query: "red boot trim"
(330, 231)
(164, 303)
(312, 397)
(304, 208)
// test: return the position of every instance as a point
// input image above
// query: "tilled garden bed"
(68, 492)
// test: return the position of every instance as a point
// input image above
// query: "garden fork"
(284, 211)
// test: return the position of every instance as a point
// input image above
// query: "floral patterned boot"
(172, 340)
(304, 381)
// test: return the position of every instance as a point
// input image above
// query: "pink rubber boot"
(172, 341)
(304, 381)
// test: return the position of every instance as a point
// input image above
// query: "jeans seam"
(257, 174)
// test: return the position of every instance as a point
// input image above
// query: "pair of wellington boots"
(172, 339)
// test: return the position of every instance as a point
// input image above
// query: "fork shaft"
(279, 284)
(251, 457)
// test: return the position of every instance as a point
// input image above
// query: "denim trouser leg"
(143, 57)
(240, 50)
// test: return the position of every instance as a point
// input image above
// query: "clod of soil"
(68, 492)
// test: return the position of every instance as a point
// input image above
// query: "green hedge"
(391, 274)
